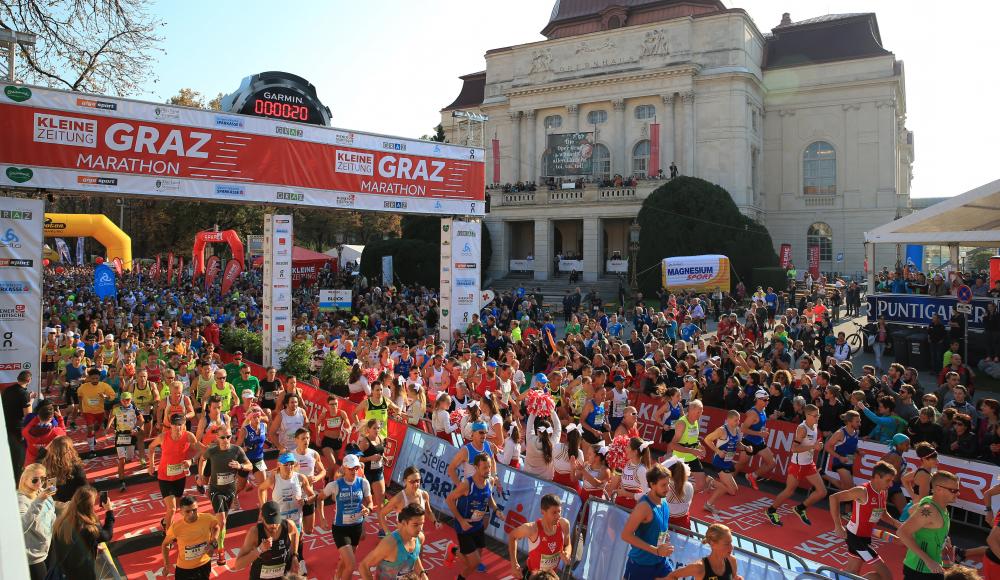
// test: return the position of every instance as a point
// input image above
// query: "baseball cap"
(351, 461)
(491, 364)
(619, 377)
(761, 394)
(271, 513)
(478, 426)
(286, 458)
(126, 396)
(247, 394)
(541, 378)
(157, 324)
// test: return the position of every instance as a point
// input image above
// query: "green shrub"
(296, 359)
(335, 372)
(234, 339)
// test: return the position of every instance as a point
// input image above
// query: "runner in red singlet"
(867, 510)
(176, 445)
(548, 540)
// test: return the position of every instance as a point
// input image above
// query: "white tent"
(969, 219)
(350, 253)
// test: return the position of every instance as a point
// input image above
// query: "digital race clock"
(278, 95)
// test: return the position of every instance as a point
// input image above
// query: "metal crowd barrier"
(826, 572)
(105, 564)
(788, 560)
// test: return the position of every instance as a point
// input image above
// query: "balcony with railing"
(587, 194)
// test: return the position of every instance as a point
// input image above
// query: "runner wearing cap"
(467, 454)
(195, 535)
(225, 462)
(239, 412)
(868, 504)
(647, 530)
(755, 434)
(352, 500)
(309, 464)
(270, 547)
(126, 421)
(898, 445)
(805, 444)
(398, 555)
(291, 490)
(548, 540)
(470, 502)
(724, 443)
(177, 445)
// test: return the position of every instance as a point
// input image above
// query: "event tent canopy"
(349, 253)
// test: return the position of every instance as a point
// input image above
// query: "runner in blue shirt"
(470, 503)
(647, 530)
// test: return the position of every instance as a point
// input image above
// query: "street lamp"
(633, 249)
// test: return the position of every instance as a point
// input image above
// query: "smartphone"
(104, 498)
(50, 484)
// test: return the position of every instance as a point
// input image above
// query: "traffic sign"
(964, 294)
(964, 308)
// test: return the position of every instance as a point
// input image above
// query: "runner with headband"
(918, 482)
(548, 540)
(755, 434)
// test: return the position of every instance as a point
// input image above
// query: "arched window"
(614, 22)
(597, 117)
(601, 162)
(640, 157)
(644, 112)
(819, 169)
(820, 234)
(553, 121)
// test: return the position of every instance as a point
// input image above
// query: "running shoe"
(711, 508)
(801, 512)
(773, 517)
(452, 551)
(752, 479)
(481, 567)
(302, 568)
(220, 558)
(123, 487)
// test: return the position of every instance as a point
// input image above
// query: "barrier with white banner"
(522, 265)
(330, 300)
(518, 497)
(571, 265)
(21, 239)
(617, 266)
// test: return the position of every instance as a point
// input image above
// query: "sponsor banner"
(211, 271)
(63, 250)
(445, 292)
(569, 154)
(485, 297)
(496, 161)
(814, 261)
(919, 308)
(233, 270)
(170, 268)
(605, 523)
(975, 477)
(522, 265)
(255, 247)
(619, 266)
(915, 257)
(518, 495)
(79, 251)
(104, 282)
(571, 265)
(22, 236)
(654, 149)
(705, 273)
(159, 268)
(139, 148)
(387, 270)
(785, 255)
(117, 263)
(180, 270)
(330, 300)
(465, 249)
(277, 303)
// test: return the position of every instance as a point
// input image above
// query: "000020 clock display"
(281, 110)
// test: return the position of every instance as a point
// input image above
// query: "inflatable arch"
(117, 244)
(211, 236)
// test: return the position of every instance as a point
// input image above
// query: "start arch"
(117, 244)
(210, 236)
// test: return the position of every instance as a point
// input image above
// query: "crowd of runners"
(143, 374)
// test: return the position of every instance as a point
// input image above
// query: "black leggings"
(37, 571)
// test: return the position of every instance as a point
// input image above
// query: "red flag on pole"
(117, 263)
(170, 268)
(180, 269)
(233, 270)
(211, 271)
(654, 149)
(159, 268)
(814, 261)
(496, 161)
(786, 255)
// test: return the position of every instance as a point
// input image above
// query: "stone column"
(531, 164)
(573, 112)
(515, 138)
(887, 145)
(593, 256)
(667, 134)
(543, 248)
(689, 144)
(499, 265)
(621, 154)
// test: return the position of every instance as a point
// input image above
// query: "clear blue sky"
(388, 66)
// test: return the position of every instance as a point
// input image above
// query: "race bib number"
(549, 561)
(175, 469)
(93, 402)
(618, 408)
(333, 422)
(123, 440)
(353, 518)
(599, 420)
(865, 555)
(375, 464)
(269, 396)
(225, 478)
(477, 516)
(876, 515)
(729, 456)
(260, 465)
(196, 551)
(272, 571)
(848, 460)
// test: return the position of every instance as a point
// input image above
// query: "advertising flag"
(814, 261)
(233, 270)
(654, 149)
(159, 268)
(180, 269)
(79, 251)
(170, 268)
(496, 161)
(211, 271)
(117, 263)
(104, 282)
(786, 255)
(63, 250)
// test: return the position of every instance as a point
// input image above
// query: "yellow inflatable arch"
(117, 244)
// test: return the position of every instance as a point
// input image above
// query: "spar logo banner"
(52, 141)
(20, 289)
(699, 273)
(919, 308)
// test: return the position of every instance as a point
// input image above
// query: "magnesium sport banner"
(444, 294)
(519, 492)
(63, 140)
(277, 287)
(21, 240)
(919, 308)
(569, 154)
(466, 253)
(700, 273)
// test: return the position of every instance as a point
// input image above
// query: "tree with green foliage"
(689, 216)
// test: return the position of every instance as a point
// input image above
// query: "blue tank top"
(253, 444)
(728, 447)
(74, 373)
(673, 414)
(596, 416)
(758, 426)
(849, 446)
(474, 506)
(350, 499)
(404, 562)
(472, 452)
(654, 533)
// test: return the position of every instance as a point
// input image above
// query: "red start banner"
(785, 259)
(62, 140)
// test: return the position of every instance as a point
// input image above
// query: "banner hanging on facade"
(277, 305)
(814, 261)
(63, 250)
(654, 149)
(466, 240)
(21, 289)
(170, 268)
(569, 154)
(496, 161)
(785, 255)
(66, 140)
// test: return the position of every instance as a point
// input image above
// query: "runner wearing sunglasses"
(225, 462)
(925, 533)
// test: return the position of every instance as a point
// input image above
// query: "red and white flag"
(211, 271)
(233, 270)
(117, 263)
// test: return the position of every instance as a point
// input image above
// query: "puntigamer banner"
(919, 308)
(61, 140)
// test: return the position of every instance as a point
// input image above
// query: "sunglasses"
(953, 490)
(40, 479)
(224, 437)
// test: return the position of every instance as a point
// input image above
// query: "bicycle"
(857, 340)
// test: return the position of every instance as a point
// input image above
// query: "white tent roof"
(969, 219)
(351, 252)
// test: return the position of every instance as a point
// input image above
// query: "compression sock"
(222, 537)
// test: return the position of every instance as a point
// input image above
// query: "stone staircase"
(555, 289)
